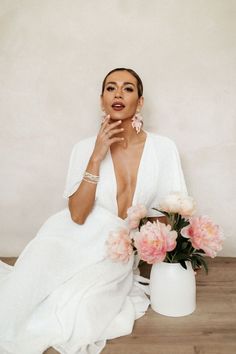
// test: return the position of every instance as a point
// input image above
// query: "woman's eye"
(129, 89)
(110, 88)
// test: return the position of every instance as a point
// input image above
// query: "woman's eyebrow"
(120, 82)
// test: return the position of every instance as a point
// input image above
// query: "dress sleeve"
(79, 158)
(170, 175)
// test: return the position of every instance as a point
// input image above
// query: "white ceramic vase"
(172, 289)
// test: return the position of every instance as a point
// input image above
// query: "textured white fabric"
(63, 291)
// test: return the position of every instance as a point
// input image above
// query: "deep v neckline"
(137, 175)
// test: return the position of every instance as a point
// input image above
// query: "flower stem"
(168, 258)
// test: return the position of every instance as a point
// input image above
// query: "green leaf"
(204, 265)
(142, 222)
(183, 223)
(163, 212)
(184, 245)
(194, 264)
(181, 257)
(200, 261)
(183, 264)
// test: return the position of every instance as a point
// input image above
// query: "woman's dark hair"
(133, 73)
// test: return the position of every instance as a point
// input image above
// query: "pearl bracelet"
(89, 177)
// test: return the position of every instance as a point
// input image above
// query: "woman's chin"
(118, 116)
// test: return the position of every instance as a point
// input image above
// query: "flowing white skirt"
(64, 292)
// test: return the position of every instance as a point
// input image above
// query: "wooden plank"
(9, 260)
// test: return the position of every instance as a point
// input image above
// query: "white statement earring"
(137, 122)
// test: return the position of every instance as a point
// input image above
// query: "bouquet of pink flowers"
(183, 238)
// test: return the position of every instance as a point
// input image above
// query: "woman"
(63, 290)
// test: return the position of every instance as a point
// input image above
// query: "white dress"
(63, 291)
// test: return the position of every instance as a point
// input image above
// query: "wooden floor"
(211, 329)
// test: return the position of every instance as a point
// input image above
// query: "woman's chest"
(127, 180)
(126, 184)
(126, 168)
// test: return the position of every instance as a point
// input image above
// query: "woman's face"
(120, 97)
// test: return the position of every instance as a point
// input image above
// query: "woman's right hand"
(105, 138)
(82, 201)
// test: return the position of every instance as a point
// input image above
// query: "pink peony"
(154, 240)
(204, 235)
(119, 245)
(135, 214)
(176, 202)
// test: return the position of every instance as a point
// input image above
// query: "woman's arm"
(82, 201)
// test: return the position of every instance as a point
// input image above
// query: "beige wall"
(53, 56)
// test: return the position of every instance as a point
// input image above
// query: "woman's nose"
(118, 94)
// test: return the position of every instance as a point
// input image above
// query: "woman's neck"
(129, 134)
